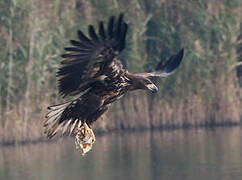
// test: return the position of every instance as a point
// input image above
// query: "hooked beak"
(152, 88)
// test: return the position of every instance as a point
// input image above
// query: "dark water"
(181, 154)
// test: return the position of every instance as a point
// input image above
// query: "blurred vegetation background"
(205, 91)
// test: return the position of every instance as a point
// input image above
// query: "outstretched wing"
(168, 68)
(85, 61)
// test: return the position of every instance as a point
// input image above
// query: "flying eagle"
(91, 71)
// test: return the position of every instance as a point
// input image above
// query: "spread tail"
(59, 119)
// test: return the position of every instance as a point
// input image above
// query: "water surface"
(202, 154)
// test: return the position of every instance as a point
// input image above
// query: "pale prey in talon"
(84, 139)
(91, 71)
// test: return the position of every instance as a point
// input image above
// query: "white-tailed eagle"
(90, 69)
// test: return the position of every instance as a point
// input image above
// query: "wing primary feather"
(83, 45)
(75, 43)
(78, 61)
(85, 55)
(73, 126)
(82, 36)
(173, 62)
(110, 26)
(164, 70)
(92, 33)
(74, 49)
(119, 26)
(102, 31)
(121, 41)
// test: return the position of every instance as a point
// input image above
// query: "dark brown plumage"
(90, 69)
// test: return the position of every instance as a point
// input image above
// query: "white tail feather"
(54, 112)
(57, 122)
(58, 106)
(73, 126)
(66, 126)
(53, 119)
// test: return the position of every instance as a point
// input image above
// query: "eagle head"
(140, 82)
(149, 85)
